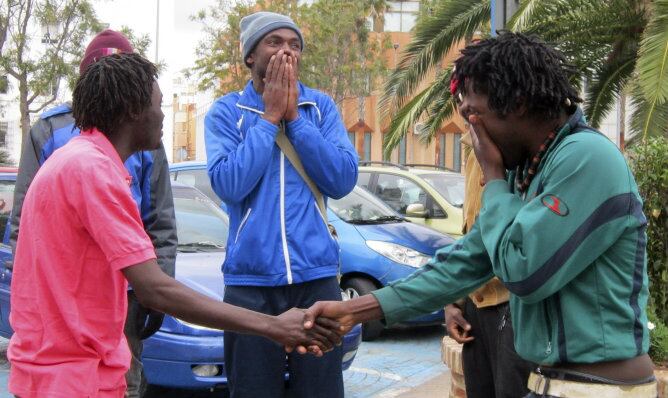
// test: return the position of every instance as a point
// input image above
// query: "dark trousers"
(492, 368)
(256, 366)
(135, 375)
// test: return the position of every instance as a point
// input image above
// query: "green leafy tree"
(5, 158)
(140, 43)
(619, 46)
(41, 68)
(650, 166)
(342, 57)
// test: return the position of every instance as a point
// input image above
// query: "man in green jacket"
(561, 226)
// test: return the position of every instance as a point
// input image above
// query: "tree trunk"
(24, 106)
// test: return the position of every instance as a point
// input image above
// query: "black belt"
(580, 377)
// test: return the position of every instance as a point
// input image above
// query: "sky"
(177, 37)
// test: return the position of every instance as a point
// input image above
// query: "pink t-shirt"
(79, 228)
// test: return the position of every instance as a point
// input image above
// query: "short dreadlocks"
(513, 69)
(111, 90)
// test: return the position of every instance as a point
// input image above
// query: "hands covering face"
(280, 88)
(486, 151)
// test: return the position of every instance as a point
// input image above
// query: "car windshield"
(200, 224)
(450, 186)
(362, 207)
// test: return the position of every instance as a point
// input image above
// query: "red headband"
(453, 86)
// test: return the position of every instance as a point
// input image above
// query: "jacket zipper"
(286, 253)
(548, 324)
(241, 225)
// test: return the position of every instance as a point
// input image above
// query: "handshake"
(318, 329)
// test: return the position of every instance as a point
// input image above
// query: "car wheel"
(356, 287)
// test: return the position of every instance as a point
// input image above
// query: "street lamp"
(50, 33)
(502, 11)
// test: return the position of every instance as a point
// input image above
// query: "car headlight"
(193, 325)
(398, 253)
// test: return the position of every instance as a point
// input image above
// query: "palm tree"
(619, 47)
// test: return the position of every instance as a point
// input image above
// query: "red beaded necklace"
(522, 184)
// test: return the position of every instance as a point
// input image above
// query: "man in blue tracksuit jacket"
(150, 187)
(280, 253)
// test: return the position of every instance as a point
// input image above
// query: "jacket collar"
(575, 122)
(57, 110)
(252, 100)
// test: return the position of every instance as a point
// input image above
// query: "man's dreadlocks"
(514, 70)
(112, 90)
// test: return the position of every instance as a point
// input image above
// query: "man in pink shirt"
(82, 240)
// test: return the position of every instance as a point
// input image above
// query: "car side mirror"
(416, 210)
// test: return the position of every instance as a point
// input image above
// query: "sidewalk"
(437, 387)
(418, 373)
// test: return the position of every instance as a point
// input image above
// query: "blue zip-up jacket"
(277, 235)
(150, 187)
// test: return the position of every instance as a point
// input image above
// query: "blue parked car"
(378, 245)
(180, 354)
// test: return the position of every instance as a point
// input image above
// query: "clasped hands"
(315, 330)
(280, 88)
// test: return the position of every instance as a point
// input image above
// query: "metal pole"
(502, 11)
(157, 28)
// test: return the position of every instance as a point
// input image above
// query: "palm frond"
(585, 24)
(653, 64)
(608, 83)
(452, 22)
(648, 119)
(524, 15)
(415, 109)
(441, 110)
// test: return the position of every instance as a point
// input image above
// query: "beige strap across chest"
(286, 146)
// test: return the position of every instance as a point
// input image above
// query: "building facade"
(362, 118)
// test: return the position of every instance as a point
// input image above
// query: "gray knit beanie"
(255, 26)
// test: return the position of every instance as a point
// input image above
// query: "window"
(6, 202)
(441, 150)
(198, 179)
(386, 157)
(351, 137)
(4, 126)
(367, 146)
(457, 153)
(402, 150)
(363, 180)
(4, 84)
(401, 16)
(399, 192)
(199, 221)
